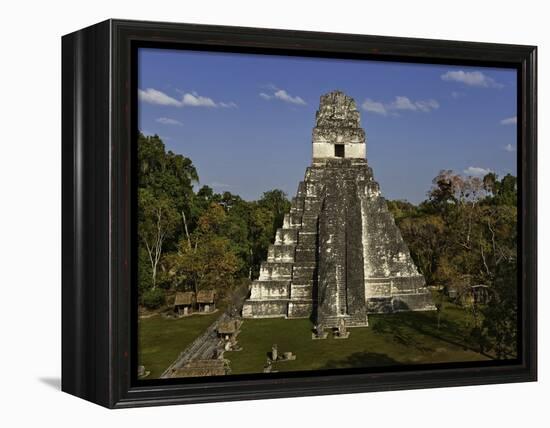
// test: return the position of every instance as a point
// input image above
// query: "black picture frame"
(98, 231)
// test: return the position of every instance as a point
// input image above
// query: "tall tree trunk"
(250, 264)
(186, 229)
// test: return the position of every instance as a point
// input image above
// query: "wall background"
(30, 211)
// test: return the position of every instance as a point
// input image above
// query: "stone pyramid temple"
(339, 255)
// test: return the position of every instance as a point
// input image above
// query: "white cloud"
(282, 95)
(403, 103)
(456, 94)
(509, 148)
(374, 107)
(196, 100)
(471, 78)
(228, 105)
(427, 105)
(400, 103)
(152, 96)
(168, 121)
(509, 121)
(476, 171)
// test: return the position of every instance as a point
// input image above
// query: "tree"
(167, 175)
(210, 262)
(157, 220)
(261, 235)
(276, 202)
(426, 241)
(467, 228)
(500, 315)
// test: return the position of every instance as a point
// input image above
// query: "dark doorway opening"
(339, 150)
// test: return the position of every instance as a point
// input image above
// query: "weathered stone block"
(413, 302)
(286, 236)
(280, 253)
(305, 254)
(300, 309)
(265, 309)
(275, 270)
(301, 291)
(304, 272)
(270, 290)
(307, 239)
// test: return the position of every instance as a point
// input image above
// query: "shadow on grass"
(425, 324)
(396, 328)
(362, 359)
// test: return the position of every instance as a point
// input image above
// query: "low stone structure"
(339, 255)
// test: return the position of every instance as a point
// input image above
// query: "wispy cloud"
(189, 99)
(456, 94)
(471, 78)
(405, 103)
(399, 103)
(510, 148)
(477, 171)
(374, 107)
(152, 96)
(196, 100)
(509, 121)
(168, 121)
(282, 95)
(227, 105)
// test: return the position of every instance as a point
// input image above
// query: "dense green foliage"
(463, 235)
(153, 298)
(197, 240)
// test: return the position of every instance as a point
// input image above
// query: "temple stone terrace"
(339, 255)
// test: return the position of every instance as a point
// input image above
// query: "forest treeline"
(463, 234)
(196, 240)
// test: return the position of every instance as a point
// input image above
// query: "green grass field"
(403, 338)
(161, 340)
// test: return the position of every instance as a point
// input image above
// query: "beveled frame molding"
(99, 311)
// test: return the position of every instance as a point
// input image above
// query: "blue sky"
(246, 120)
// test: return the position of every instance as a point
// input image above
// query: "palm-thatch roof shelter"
(184, 302)
(228, 329)
(206, 300)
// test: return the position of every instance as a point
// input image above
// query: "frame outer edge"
(96, 280)
(86, 315)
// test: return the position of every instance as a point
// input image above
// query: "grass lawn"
(402, 338)
(161, 340)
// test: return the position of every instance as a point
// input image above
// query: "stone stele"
(339, 255)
